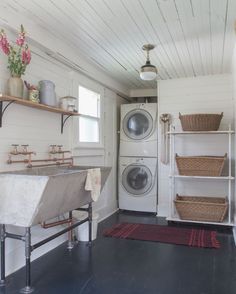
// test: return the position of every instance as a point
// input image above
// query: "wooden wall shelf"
(11, 99)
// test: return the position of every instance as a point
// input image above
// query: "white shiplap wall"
(209, 94)
(107, 155)
(39, 129)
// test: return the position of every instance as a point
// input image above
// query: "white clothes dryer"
(138, 184)
(138, 130)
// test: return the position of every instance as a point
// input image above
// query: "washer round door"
(137, 124)
(137, 179)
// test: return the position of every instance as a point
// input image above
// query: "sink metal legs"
(2, 238)
(26, 238)
(70, 233)
(89, 210)
(27, 288)
(90, 216)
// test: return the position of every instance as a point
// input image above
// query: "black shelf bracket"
(64, 118)
(3, 109)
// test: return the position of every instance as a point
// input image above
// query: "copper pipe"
(61, 159)
(51, 164)
(15, 153)
(22, 153)
(17, 161)
(41, 160)
(57, 223)
(72, 161)
(30, 158)
(59, 152)
(68, 221)
(28, 153)
(9, 161)
(52, 159)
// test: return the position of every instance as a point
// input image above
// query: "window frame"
(92, 145)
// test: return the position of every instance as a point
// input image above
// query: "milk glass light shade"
(148, 72)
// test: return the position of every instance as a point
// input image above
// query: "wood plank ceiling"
(192, 37)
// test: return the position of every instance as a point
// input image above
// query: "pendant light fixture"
(148, 71)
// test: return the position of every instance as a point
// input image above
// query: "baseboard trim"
(105, 217)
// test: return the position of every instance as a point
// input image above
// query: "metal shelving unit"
(174, 177)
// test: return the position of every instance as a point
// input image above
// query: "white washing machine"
(138, 130)
(138, 184)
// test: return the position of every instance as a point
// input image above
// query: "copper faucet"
(53, 149)
(15, 149)
(57, 149)
(24, 152)
(55, 161)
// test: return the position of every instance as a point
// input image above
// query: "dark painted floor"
(116, 266)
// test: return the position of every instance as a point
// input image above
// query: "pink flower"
(21, 39)
(4, 44)
(26, 56)
(19, 55)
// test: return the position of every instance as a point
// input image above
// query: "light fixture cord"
(148, 60)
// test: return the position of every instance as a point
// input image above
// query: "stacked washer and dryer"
(138, 157)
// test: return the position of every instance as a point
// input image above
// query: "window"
(89, 119)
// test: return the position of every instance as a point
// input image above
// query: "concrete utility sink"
(31, 196)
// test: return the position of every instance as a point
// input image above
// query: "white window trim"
(92, 86)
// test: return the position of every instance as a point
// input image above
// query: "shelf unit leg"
(3, 237)
(230, 174)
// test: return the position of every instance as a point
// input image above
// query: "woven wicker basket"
(198, 208)
(211, 166)
(200, 122)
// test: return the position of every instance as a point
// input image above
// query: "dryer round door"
(137, 179)
(138, 124)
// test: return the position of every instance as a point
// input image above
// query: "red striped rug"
(164, 234)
